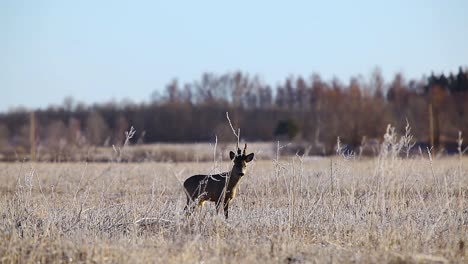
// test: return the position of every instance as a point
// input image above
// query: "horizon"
(115, 51)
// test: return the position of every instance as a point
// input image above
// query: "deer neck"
(234, 178)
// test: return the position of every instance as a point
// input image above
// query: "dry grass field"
(295, 210)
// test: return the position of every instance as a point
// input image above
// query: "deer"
(219, 188)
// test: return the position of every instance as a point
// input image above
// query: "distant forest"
(309, 110)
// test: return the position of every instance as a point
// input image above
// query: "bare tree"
(96, 129)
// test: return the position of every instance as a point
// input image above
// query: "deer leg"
(226, 208)
(218, 205)
(187, 208)
(191, 205)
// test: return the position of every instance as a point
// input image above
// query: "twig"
(237, 135)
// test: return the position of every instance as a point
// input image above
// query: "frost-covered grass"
(392, 208)
(291, 210)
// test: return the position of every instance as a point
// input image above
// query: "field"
(292, 210)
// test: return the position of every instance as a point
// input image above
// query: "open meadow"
(294, 210)
(222, 132)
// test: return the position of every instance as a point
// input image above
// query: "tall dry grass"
(288, 210)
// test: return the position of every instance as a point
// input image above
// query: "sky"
(98, 51)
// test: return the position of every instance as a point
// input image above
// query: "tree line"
(309, 110)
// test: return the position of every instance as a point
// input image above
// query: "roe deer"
(219, 188)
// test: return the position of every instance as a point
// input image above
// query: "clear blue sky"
(96, 51)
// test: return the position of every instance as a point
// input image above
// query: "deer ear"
(249, 157)
(232, 155)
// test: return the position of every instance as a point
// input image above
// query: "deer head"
(240, 161)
